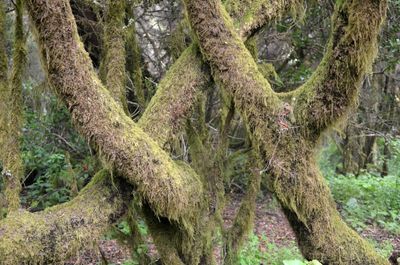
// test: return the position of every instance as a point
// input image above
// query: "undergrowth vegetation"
(57, 162)
(368, 198)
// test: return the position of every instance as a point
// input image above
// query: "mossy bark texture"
(112, 69)
(53, 235)
(172, 120)
(3, 93)
(284, 143)
(12, 115)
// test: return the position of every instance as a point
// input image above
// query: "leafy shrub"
(57, 161)
(261, 251)
(368, 199)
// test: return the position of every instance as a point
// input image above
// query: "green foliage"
(368, 199)
(385, 248)
(56, 159)
(261, 251)
(394, 162)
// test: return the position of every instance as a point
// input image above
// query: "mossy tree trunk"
(287, 144)
(112, 68)
(3, 93)
(13, 111)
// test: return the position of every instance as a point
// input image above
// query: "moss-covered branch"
(196, 78)
(249, 15)
(183, 83)
(332, 90)
(51, 236)
(112, 69)
(171, 190)
(287, 155)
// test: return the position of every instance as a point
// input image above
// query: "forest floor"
(270, 223)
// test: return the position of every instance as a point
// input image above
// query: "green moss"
(249, 14)
(134, 61)
(175, 97)
(171, 190)
(112, 70)
(12, 163)
(285, 150)
(350, 53)
(52, 236)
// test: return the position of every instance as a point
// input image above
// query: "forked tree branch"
(287, 151)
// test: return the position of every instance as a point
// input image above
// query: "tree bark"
(287, 146)
(53, 235)
(112, 68)
(116, 137)
(3, 94)
(13, 170)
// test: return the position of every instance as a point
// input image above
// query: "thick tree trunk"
(285, 144)
(124, 145)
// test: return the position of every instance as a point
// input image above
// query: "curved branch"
(51, 236)
(183, 83)
(332, 90)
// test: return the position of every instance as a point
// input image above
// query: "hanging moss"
(113, 134)
(179, 39)
(172, 190)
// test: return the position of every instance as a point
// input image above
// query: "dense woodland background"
(359, 157)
